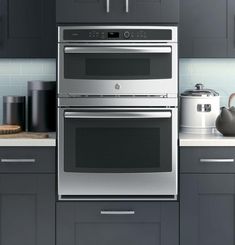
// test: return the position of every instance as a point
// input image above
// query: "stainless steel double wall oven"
(117, 110)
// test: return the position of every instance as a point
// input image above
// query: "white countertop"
(205, 140)
(51, 141)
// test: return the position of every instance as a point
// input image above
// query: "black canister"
(41, 106)
(14, 110)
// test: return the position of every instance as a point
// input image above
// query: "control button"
(126, 34)
(117, 86)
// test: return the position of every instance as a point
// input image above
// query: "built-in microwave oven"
(114, 60)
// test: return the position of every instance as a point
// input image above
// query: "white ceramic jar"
(199, 109)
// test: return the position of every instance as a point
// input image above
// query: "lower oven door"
(117, 153)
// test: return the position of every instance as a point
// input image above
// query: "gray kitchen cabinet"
(207, 195)
(231, 29)
(27, 159)
(27, 29)
(117, 11)
(207, 208)
(27, 213)
(207, 29)
(126, 223)
(207, 160)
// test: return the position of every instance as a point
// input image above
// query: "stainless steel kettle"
(225, 122)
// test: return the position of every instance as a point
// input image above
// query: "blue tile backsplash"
(218, 74)
(14, 74)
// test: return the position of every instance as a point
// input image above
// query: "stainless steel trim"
(118, 114)
(9, 160)
(174, 197)
(127, 6)
(216, 160)
(107, 6)
(71, 50)
(110, 212)
(172, 28)
(118, 102)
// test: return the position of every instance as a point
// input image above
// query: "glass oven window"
(118, 66)
(118, 145)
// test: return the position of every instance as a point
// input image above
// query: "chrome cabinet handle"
(164, 114)
(116, 50)
(216, 160)
(128, 212)
(9, 160)
(127, 6)
(107, 6)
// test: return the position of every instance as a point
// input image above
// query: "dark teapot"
(225, 122)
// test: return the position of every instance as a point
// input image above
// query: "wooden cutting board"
(9, 129)
(27, 135)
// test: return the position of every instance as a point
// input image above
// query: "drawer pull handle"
(216, 160)
(5, 160)
(129, 212)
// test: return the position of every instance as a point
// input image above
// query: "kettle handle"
(230, 99)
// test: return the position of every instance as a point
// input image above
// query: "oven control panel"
(117, 34)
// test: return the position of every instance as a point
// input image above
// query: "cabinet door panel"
(207, 205)
(203, 28)
(27, 209)
(231, 28)
(120, 11)
(83, 224)
(28, 29)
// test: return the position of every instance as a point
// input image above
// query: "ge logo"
(117, 86)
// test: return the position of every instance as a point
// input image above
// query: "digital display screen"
(113, 34)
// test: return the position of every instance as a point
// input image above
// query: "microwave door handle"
(127, 115)
(80, 50)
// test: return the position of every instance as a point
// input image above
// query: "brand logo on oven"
(117, 86)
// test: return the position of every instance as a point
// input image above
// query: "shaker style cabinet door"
(203, 28)
(231, 28)
(117, 11)
(27, 29)
(117, 223)
(27, 209)
(207, 208)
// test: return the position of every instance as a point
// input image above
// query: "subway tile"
(49, 66)
(31, 66)
(8, 66)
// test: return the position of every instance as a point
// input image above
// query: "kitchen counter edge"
(47, 142)
(207, 140)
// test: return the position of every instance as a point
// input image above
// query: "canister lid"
(41, 85)
(13, 99)
(199, 91)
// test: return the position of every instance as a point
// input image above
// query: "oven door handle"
(82, 50)
(163, 114)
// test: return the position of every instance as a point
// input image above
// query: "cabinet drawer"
(27, 159)
(128, 223)
(207, 159)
